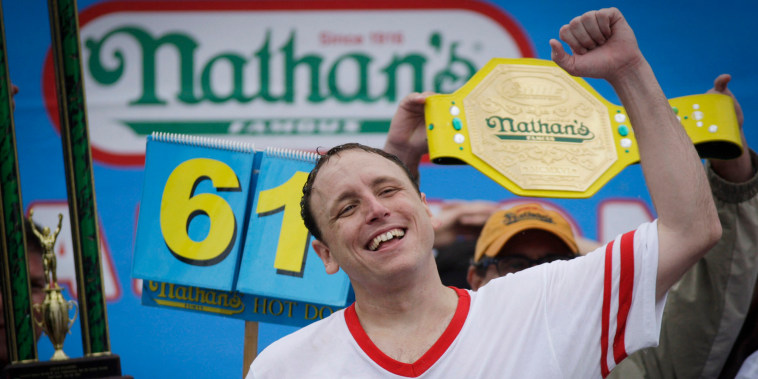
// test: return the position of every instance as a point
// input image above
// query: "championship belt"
(538, 131)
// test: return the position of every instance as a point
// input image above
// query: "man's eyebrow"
(350, 193)
(384, 179)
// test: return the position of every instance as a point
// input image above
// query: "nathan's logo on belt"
(507, 128)
(207, 300)
(513, 217)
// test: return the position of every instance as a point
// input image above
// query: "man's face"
(530, 244)
(373, 222)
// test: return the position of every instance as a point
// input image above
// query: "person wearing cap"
(518, 238)
(708, 327)
(369, 219)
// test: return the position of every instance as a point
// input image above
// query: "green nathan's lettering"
(510, 128)
(344, 78)
(185, 47)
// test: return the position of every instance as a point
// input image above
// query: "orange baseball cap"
(505, 224)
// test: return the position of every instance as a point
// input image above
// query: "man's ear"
(426, 205)
(326, 256)
(474, 280)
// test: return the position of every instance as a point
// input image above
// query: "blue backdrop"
(687, 43)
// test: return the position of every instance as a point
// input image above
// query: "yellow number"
(293, 236)
(179, 206)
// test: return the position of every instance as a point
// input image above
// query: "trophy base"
(87, 367)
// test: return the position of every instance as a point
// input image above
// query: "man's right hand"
(603, 46)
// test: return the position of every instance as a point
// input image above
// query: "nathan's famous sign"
(273, 72)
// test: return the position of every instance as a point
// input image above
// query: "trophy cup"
(55, 320)
(54, 310)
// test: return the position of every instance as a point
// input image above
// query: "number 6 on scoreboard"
(179, 205)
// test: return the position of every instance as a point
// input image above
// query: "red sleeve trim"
(605, 321)
(626, 286)
(415, 369)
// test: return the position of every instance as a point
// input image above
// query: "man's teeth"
(384, 237)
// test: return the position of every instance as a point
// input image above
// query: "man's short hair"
(305, 203)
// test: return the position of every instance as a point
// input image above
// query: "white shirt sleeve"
(601, 307)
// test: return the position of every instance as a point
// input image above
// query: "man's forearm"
(706, 309)
(688, 222)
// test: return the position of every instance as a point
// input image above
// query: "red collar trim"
(434, 353)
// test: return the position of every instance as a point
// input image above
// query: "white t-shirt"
(559, 320)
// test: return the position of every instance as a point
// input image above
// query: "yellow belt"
(539, 131)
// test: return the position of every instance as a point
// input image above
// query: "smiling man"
(368, 218)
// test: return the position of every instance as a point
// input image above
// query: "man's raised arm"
(605, 47)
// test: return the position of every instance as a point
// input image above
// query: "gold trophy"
(55, 310)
